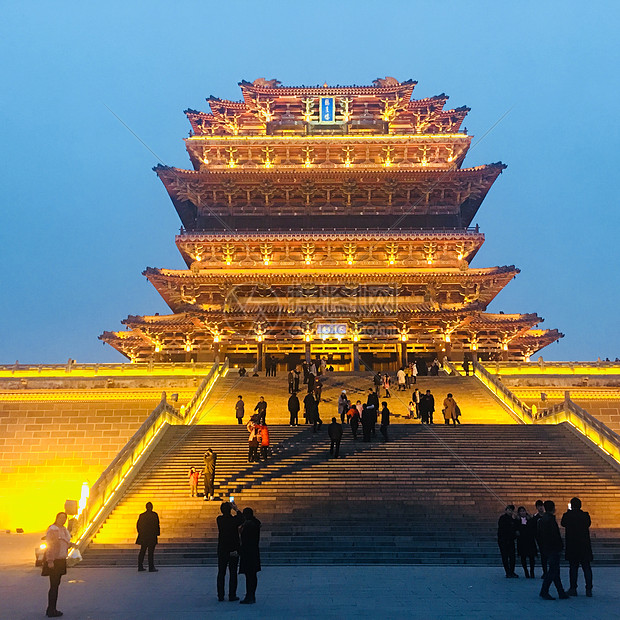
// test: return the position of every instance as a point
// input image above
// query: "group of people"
(540, 533)
(258, 439)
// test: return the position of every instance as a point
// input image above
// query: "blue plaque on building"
(328, 110)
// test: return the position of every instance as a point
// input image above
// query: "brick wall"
(48, 449)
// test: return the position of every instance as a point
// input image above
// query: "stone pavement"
(291, 592)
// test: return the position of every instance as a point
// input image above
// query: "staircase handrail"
(110, 481)
(595, 430)
(194, 405)
(518, 407)
(113, 476)
(451, 367)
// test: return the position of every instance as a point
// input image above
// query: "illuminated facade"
(329, 221)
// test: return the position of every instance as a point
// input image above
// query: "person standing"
(293, 409)
(312, 412)
(261, 409)
(253, 440)
(58, 542)
(401, 377)
(264, 441)
(228, 549)
(209, 473)
(305, 368)
(506, 534)
(193, 477)
(291, 381)
(367, 421)
(415, 399)
(268, 363)
(526, 541)
(343, 405)
(239, 409)
(466, 367)
(577, 523)
(249, 553)
(295, 380)
(551, 544)
(414, 373)
(334, 430)
(430, 405)
(385, 421)
(387, 382)
(540, 511)
(148, 531)
(373, 409)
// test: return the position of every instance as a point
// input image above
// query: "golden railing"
(593, 429)
(496, 387)
(105, 494)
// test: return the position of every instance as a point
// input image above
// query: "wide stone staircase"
(431, 495)
(477, 404)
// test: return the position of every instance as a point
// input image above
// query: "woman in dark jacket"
(526, 541)
(249, 553)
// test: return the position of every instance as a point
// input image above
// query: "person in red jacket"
(264, 441)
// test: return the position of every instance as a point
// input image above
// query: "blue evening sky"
(82, 213)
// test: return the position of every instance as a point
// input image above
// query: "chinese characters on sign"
(327, 110)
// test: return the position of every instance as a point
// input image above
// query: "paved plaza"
(291, 592)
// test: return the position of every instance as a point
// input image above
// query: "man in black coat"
(228, 549)
(373, 408)
(540, 511)
(551, 544)
(578, 546)
(250, 554)
(429, 403)
(385, 421)
(506, 534)
(293, 409)
(148, 531)
(368, 416)
(312, 411)
(334, 430)
(261, 409)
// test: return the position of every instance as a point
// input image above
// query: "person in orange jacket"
(264, 441)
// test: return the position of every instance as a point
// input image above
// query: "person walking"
(354, 420)
(540, 511)
(466, 367)
(343, 405)
(449, 410)
(526, 541)
(249, 553)
(506, 534)
(577, 523)
(208, 472)
(148, 531)
(58, 542)
(334, 430)
(253, 440)
(228, 546)
(373, 409)
(193, 477)
(293, 409)
(239, 409)
(551, 543)
(385, 421)
(261, 409)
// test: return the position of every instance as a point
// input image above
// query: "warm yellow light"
(429, 260)
(266, 261)
(388, 162)
(157, 348)
(188, 347)
(323, 336)
(460, 256)
(307, 338)
(356, 338)
(216, 338)
(350, 261)
(447, 337)
(232, 163)
(308, 260)
(474, 346)
(83, 498)
(391, 261)
(339, 337)
(404, 337)
(347, 163)
(268, 163)
(42, 546)
(307, 163)
(424, 161)
(505, 346)
(228, 261)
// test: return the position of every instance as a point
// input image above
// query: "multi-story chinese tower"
(333, 221)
